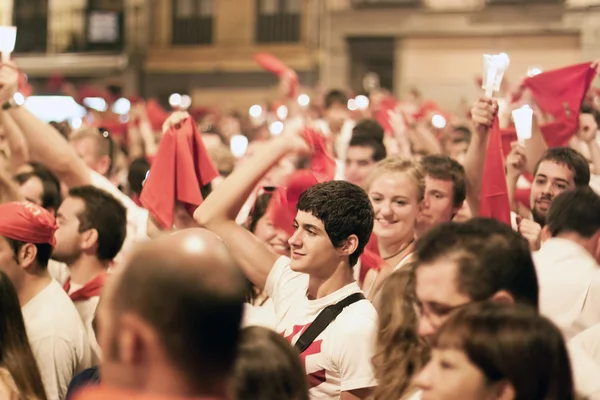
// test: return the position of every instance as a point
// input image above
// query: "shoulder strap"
(323, 320)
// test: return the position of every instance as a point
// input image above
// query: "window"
(192, 21)
(278, 21)
(31, 19)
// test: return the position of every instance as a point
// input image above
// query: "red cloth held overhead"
(277, 67)
(494, 202)
(180, 168)
(322, 164)
(91, 289)
(27, 222)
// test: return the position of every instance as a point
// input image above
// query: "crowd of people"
(311, 249)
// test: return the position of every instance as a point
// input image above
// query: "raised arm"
(19, 150)
(46, 144)
(218, 212)
(483, 114)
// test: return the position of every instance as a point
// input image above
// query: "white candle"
(8, 38)
(523, 118)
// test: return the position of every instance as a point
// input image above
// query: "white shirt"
(569, 281)
(57, 337)
(263, 315)
(340, 357)
(87, 311)
(342, 140)
(584, 351)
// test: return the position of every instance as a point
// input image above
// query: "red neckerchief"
(89, 290)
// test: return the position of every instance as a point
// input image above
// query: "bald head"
(188, 289)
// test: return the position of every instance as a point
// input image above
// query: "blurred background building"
(205, 48)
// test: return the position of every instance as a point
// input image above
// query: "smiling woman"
(396, 188)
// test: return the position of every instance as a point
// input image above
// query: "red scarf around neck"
(89, 290)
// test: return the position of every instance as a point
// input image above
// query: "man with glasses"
(460, 263)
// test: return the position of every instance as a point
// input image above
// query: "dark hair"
(334, 97)
(106, 215)
(369, 128)
(50, 192)
(267, 368)
(43, 251)
(445, 168)
(570, 158)
(259, 210)
(379, 152)
(465, 131)
(137, 174)
(511, 343)
(589, 109)
(490, 257)
(575, 211)
(15, 352)
(344, 209)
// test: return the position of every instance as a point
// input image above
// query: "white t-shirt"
(57, 337)
(87, 312)
(584, 351)
(340, 357)
(569, 280)
(137, 217)
(263, 315)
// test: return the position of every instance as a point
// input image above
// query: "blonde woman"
(396, 188)
(399, 352)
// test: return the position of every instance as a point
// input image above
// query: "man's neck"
(86, 268)
(31, 285)
(319, 287)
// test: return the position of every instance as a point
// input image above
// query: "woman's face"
(275, 238)
(450, 375)
(395, 200)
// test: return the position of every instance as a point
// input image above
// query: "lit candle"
(523, 118)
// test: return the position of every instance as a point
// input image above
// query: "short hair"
(197, 322)
(445, 168)
(104, 145)
(490, 257)
(575, 211)
(259, 210)
(51, 197)
(138, 170)
(379, 152)
(43, 251)
(334, 97)
(267, 368)
(400, 165)
(344, 209)
(570, 158)
(369, 128)
(106, 215)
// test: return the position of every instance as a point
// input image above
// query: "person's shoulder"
(360, 316)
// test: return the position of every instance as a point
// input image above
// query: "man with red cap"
(55, 330)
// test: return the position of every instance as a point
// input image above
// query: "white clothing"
(87, 312)
(57, 337)
(263, 315)
(339, 170)
(59, 271)
(340, 357)
(342, 140)
(584, 351)
(137, 217)
(569, 281)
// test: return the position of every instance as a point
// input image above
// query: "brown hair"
(399, 352)
(103, 146)
(267, 368)
(400, 165)
(445, 168)
(15, 353)
(512, 343)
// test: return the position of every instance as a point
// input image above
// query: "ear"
(89, 239)
(505, 391)
(136, 339)
(350, 245)
(502, 296)
(27, 255)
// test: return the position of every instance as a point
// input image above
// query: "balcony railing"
(81, 30)
(278, 28)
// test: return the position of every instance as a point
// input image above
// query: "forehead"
(71, 206)
(554, 170)
(397, 182)
(441, 185)
(85, 143)
(437, 281)
(306, 218)
(360, 152)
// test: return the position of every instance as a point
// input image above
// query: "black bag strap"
(323, 320)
